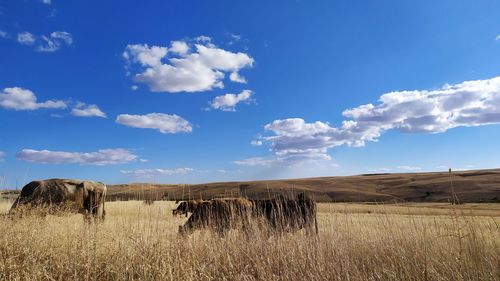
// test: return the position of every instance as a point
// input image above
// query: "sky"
(189, 91)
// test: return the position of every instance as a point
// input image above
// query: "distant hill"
(469, 186)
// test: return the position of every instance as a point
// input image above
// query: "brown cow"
(186, 207)
(219, 215)
(58, 195)
(288, 215)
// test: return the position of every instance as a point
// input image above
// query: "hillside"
(470, 186)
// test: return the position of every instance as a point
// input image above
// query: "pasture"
(427, 241)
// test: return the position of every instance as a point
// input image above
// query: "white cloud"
(26, 38)
(87, 110)
(49, 43)
(234, 38)
(47, 2)
(179, 47)
(196, 68)
(467, 104)
(235, 77)
(3, 34)
(22, 99)
(203, 38)
(134, 87)
(256, 143)
(409, 168)
(2, 156)
(379, 170)
(255, 161)
(100, 157)
(148, 173)
(228, 102)
(165, 123)
(497, 38)
(54, 41)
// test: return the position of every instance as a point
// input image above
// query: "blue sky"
(201, 91)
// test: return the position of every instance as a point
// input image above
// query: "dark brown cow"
(58, 195)
(288, 215)
(186, 207)
(219, 215)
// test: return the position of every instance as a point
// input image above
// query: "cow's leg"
(99, 212)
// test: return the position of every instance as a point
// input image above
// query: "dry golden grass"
(356, 242)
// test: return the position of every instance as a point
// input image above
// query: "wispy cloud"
(46, 43)
(256, 142)
(497, 38)
(256, 161)
(165, 123)
(54, 41)
(149, 173)
(185, 67)
(87, 110)
(228, 102)
(100, 157)
(2, 156)
(22, 99)
(26, 38)
(409, 168)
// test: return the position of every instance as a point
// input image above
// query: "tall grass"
(140, 242)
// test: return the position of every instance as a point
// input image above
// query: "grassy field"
(356, 242)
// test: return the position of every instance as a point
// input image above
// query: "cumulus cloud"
(148, 173)
(235, 77)
(22, 99)
(466, 104)
(228, 102)
(165, 123)
(87, 110)
(26, 38)
(100, 157)
(54, 41)
(185, 67)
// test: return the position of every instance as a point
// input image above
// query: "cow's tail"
(316, 225)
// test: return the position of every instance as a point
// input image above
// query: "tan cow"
(58, 195)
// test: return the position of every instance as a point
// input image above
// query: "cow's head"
(185, 207)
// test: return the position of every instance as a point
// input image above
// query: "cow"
(288, 215)
(186, 207)
(219, 215)
(63, 195)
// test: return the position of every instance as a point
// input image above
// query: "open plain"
(414, 241)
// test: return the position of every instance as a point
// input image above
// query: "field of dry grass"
(356, 242)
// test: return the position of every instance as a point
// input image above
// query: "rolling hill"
(469, 186)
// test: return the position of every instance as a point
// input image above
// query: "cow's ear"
(176, 201)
